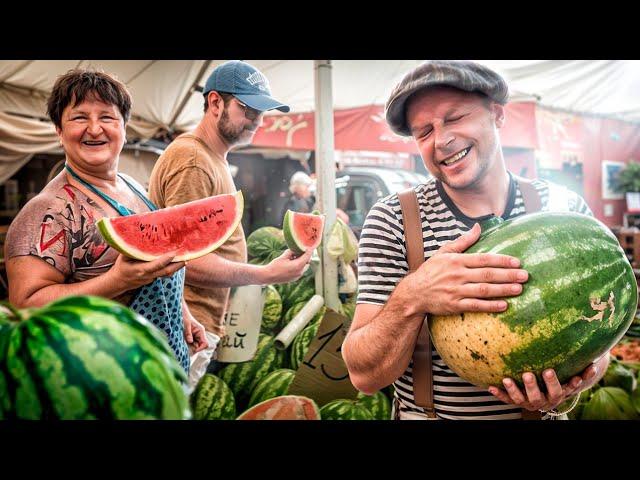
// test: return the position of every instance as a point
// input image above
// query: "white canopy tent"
(167, 97)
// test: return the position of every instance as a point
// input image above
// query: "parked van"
(359, 188)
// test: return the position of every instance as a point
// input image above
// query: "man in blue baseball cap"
(194, 166)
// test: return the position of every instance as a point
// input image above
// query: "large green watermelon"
(298, 291)
(378, 405)
(341, 409)
(300, 344)
(579, 300)
(88, 358)
(273, 385)
(272, 311)
(243, 376)
(265, 244)
(213, 400)
(191, 229)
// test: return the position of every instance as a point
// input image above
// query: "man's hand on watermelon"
(533, 399)
(194, 332)
(287, 267)
(135, 273)
(452, 282)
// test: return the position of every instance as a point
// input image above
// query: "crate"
(629, 239)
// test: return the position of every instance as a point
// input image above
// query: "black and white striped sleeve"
(577, 204)
(381, 255)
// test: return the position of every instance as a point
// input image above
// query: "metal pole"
(326, 171)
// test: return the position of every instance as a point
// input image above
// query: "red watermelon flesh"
(192, 229)
(302, 231)
(287, 407)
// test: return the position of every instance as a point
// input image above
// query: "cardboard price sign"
(323, 375)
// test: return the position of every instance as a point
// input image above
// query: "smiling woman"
(55, 237)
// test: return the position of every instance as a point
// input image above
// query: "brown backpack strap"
(422, 373)
(530, 196)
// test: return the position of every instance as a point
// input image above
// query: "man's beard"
(230, 134)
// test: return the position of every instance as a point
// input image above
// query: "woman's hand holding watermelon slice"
(132, 274)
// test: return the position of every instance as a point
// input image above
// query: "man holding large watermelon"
(195, 166)
(453, 110)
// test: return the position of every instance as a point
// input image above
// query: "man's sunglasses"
(249, 113)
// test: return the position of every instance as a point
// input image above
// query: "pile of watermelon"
(615, 397)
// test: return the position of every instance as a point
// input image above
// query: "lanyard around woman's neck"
(121, 209)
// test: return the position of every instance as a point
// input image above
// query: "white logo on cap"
(257, 79)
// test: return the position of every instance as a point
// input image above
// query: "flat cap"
(464, 75)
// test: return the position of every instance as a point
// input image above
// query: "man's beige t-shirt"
(190, 170)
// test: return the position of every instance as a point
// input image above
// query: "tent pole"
(187, 96)
(325, 169)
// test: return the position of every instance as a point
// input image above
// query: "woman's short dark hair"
(76, 85)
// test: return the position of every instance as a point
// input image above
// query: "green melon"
(301, 343)
(378, 405)
(580, 298)
(341, 409)
(213, 400)
(265, 244)
(272, 311)
(243, 376)
(87, 358)
(275, 384)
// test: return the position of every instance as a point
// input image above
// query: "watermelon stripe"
(275, 384)
(29, 394)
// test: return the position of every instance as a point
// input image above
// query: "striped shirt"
(382, 264)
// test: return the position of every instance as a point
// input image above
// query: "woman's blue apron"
(160, 302)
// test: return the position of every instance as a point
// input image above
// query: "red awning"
(364, 128)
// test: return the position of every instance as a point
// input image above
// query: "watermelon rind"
(305, 407)
(121, 245)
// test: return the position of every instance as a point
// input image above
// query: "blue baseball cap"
(246, 83)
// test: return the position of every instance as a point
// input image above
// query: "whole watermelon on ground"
(191, 229)
(288, 407)
(298, 291)
(272, 311)
(579, 300)
(88, 358)
(275, 384)
(243, 376)
(265, 244)
(341, 409)
(378, 405)
(213, 400)
(300, 344)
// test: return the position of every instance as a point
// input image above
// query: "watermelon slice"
(302, 231)
(287, 407)
(192, 229)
